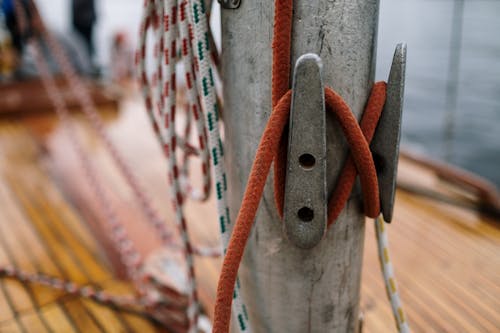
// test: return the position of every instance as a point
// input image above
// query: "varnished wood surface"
(30, 96)
(445, 257)
(42, 230)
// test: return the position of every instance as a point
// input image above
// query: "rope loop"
(358, 137)
(359, 161)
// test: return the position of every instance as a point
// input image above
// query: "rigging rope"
(160, 104)
(130, 257)
(206, 81)
(389, 278)
(191, 28)
(273, 146)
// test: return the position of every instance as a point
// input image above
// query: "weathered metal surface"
(385, 143)
(304, 213)
(288, 289)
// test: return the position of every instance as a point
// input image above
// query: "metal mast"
(286, 288)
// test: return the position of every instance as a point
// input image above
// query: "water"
(465, 135)
(426, 26)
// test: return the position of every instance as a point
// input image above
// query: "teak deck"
(446, 258)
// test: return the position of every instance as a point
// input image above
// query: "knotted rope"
(273, 147)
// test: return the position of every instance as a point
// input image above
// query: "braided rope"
(88, 107)
(91, 292)
(209, 101)
(160, 104)
(122, 243)
(193, 96)
(128, 254)
(162, 85)
(272, 146)
(168, 115)
(193, 35)
(389, 278)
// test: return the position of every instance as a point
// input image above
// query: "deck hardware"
(385, 143)
(305, 189)
(230, 4)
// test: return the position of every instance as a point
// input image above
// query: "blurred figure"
(12, 39)
(122, 58)
(83, 19)
(17, 58)
(17, 37)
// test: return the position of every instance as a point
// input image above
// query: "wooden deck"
(446, 257)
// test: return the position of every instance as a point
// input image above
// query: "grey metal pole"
(288, 289)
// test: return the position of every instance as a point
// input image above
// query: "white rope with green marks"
(205, 79)
(192, 33)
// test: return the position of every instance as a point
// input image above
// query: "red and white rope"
(190, 33)
(91, 292)
(122, 243)
(160, 96)
(193, 97)
(125, 246)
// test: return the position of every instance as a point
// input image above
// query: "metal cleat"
(385, 143)
(306, 200)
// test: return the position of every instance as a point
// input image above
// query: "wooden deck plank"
(135, 322)
(34, 321)
(47, 235)
(6, 312)
(57, 251)
(18, 295)
(14, 312)
(438, 264)
(447, 279)
(106, 317)
(420, 314)
(82, 317)
(140, 325)
(38, 262)
(16, 225)
(82, 256)
(10, 326)
(29, 296)
(57, 318)
(421, 318)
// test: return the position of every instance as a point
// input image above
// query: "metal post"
(288, 289)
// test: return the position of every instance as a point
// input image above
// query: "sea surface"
(452, 96)
(452, 105)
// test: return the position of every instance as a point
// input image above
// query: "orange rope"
(273, 146)
(268, 147)
(359, 161)
(282, 35)
(357, 158)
